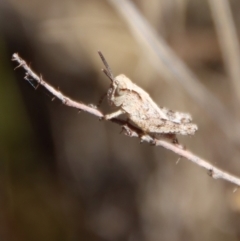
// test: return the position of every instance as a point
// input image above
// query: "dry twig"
(128, 129)
(30, 75)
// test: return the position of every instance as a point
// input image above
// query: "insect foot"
(140, 109)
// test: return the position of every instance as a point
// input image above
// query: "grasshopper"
(140, 109)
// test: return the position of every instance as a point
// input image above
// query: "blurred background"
(67, 176)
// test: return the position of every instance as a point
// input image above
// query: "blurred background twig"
(229, 43)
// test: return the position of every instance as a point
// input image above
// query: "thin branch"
(56, 93)
(128, 128)
(213, 171)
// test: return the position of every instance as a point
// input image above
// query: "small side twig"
(128, 129)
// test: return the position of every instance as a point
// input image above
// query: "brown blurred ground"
(67, 176)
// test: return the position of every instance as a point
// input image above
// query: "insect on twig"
(141, 109)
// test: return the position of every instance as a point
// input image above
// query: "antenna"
(108, 70)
